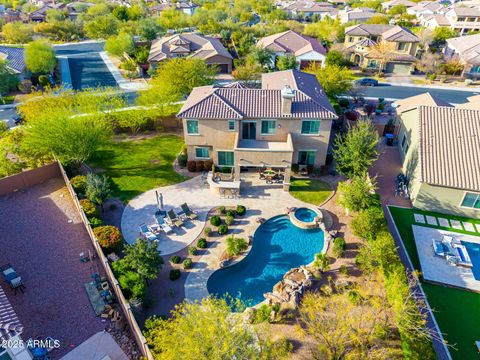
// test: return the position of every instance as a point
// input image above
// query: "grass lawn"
(456, 311)
(311, 191)
(8, 99)
(136, 166)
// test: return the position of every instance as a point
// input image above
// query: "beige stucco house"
(391, 47)
(286, 122)
(439, 146)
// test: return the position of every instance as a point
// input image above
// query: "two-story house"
(286, 122)
(391, 47)
(465, 19)
(467, 50)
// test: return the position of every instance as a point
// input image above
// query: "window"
(225, 158)
(401, 46)
(372, 64)
(231, 125)
(306, 157)
(202, 152)
(461, 19)
(350, 39)
(404, 140)
(471, 200)
(475, 69)
(192, 127)
(4, 354)
(310, 127)
(268, 127)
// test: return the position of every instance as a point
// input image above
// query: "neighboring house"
(11, 15)
(467, 50)
(362, 44)
(308, 9)
(186, 7)
(464, 19)
(192, 45)
(10, 331)
(74, 9)
(15, 58)
(307, 50)
(439, 146)
(427, 8)
(356, 15)
(40, 15)
(387, 5)
(286, 122)
(433, 21)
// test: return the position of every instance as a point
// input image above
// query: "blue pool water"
(305, 214)
(278, 246)
(474, 253)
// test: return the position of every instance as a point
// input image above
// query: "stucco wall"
(443, 200)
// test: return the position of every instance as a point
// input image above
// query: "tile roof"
(467, 47)
(387, 32)
(440, 19)
(449, 139)
(10, 325)
(462, 10)
(311, 6)
(392, 3)
(310, 101)
(413, 102)
(15, 58)
(291, 42)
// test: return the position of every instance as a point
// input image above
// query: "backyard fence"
(28, 178)
(127, 310)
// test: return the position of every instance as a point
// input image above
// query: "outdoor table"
(155, 228)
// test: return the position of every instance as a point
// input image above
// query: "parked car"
(367, 82)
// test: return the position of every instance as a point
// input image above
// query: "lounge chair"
(163, 225)
(9, 272)
(146, 233)
(174, 219)
(188, 212)
(438, 247)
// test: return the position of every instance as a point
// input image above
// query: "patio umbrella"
(161, 201)
(156, 197)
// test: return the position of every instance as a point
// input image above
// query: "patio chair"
(8, 272)
(174, 218)
(163, 225)
(188, 212)
(146, 233)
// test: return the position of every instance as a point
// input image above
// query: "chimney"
(287, 97)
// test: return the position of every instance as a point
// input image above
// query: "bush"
(175, 259)
(182, 159)
(222, 229)
(235, 246)
(229, 220)
(343, 102)
(221, 210)
(187, 263)
(109, 237)
(241, 210)
(95, 222)
(202, 243)
(368, 223)
(192, 250)
(339, 247)
(132, 284)
(231, 213)
(343, 270)
(199, 165)
(43, 80)
(207, 231)
(89, 208)
(351, 115)
(191, 166)
(215, 220)
(262, 314)
(174, 274)
(79, 184)
(207, 165)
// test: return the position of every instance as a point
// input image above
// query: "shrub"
(235, 246)
(174, 274)
(182, 159)
(215, 220)
(199, 165)
(351, 115)
(202, 243)
(132, 284)
(241, 210)
(343, 270)
(207, 165)
(43, 80)
(175, 259)
(368, 223)
(95, 222)
(231, 213)
(339, 247)
(207, 231)
(191, 166)
(89, 208)
(192, 250)
(109, 237)
(187, 263)
(229, 220)
(221, 210)
(222, 229)
(262, 314)
(79, 184)
(343, 102)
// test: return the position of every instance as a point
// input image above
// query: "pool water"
(278, 246)
(474, 253)
(305, 214)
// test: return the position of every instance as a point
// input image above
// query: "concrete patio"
(437, 269)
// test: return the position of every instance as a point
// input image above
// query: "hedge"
(109, 237)
(89, 208)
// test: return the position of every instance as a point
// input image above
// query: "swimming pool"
(473, 250)
(278, 246)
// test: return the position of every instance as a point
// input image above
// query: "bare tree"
(429, 63)
(383, 51)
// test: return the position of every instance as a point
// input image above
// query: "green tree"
(335, 80)
(262, 56)
(121, 13)
(17, 32)
(40, 57)
(336, 58)
(175, 79)
(378, 19)
(328, 30)
(357, 150)
(380, 253)
(148, 29)
(321, 262)
(357, 194)
(54, 15)
(287, 62)
(8, 80)
(442, 33)
(65, 30)
(98, 189)
(120, 45)
(248, 73)
(397, 10)
(144, 258)
(369, 222)
(201, 331)
(173, 19)
(101, 27)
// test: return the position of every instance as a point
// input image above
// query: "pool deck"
(436, 269)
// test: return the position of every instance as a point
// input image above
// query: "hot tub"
(305, 218)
